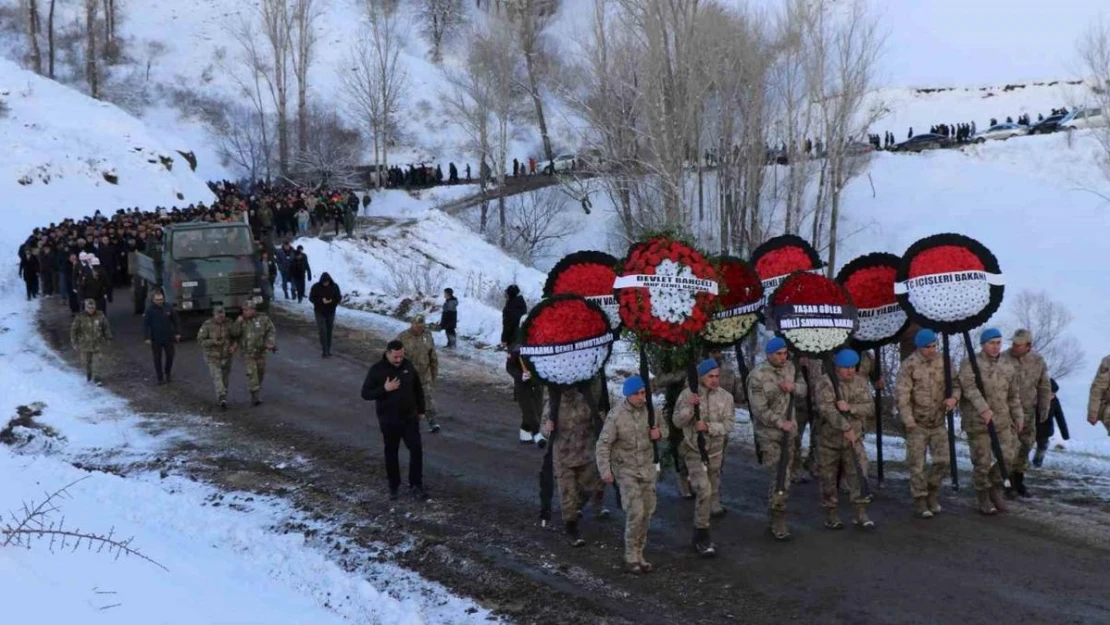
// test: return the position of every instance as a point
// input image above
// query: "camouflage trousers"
(220, 370)
(1026, 439)
(576, 486)
(935, 440)
(90, 362)
(706, 483)
(798, 461)
(638, 501)
(832, 455)
(429, 397)
(256, 372)
(985, 472)
(772, 450)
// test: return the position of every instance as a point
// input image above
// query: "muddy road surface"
(316, 442)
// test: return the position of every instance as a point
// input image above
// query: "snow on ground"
(222, 565)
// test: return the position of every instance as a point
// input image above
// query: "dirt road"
(315, 441)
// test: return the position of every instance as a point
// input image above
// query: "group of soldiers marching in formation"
(783, 397)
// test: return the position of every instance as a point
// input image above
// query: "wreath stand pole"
(784, 452)
(693, 383)
(950, 415)
(645, 376)
(547, 471)
(877, 370)
(595, 413)
(743, 367)
(864, 486)
(996, 445)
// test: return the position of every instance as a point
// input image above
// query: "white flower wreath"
(673, 305)
(571, 367)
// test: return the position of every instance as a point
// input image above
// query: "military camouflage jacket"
(1096, 403)
(1036, 389)
(574, 435)
(1003, 393)
(89, 333)
(216, 339)
(255, 335)
(717, 411)
(420, 349)
(919, 390)
(768, 402)
(861, 407)
(624, 448)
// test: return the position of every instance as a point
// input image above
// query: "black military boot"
(1019, 484)
(576, 539)
(1038, 458)
(702, 544)
(255, 400)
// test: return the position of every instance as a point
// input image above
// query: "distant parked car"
(1046, 125)
(1084, 118)
(1000, 131)
(927, 141)
(858, 148)
(562, 163)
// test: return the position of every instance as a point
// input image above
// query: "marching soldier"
(919, 392)
(716, 419)
(1097, 404)
(1000, 403)
(420, 349)
(808, 419)
(1036, 399)
(88, 334)
(770, 388)
(574, 455)
(217, 339)
(257, 335)
(843, 415)
(624, 456)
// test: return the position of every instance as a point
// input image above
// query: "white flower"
(571, 367)
(880, 326)
(612, 309)
(816, 340)
(951, 301)
(730, 330)
(669, 304)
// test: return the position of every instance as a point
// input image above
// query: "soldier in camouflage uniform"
(574, 456)
(770, 388)
(1001, 403)
(717, 416)
(1036, 399)
(256, 335)
(1098, 404)
(420, 349)
(88, 334)
(809, 419)
(218, 340)
(842, 417)
(624, 456)
(919, 393)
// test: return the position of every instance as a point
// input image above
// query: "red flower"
(741, 284)
(945, 259)
(872, 287)
(564, 322)
(809, 288)
(586, 280)
(783, 261)
(636, 303)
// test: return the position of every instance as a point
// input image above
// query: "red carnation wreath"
(665, 290)
(781, 256)
(869, 281)
(739, 303)
(950, 283)
(566, 340)
(589, 274)
(812, 313)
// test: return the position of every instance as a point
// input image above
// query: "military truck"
(201, 265)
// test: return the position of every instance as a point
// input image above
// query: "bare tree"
(1048, 321)
(50, 40)
(245, 140)
(110, 49)
(304, 14)
(34, 28)
(92, 66)
(536, 223)
(531, 18)
(377, 81)
(1094, 56)
(331, 156)
(442, 19)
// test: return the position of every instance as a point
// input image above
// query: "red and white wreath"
(812, 313)
(949, 283)
(740, 302)
(566, 340)
(869, 281)
(781, 256)
(665, 290)
(589, 274)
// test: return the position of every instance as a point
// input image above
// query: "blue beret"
(774, 345)
(632, 385)
(989, 335)
(846, 358)
(706, 366)
(924, 337)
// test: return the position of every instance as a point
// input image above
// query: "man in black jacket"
(515, 309)
(298, 268)
(393, 384)
(161, 329)
(325, 297)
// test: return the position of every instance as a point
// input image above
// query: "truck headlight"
(187, 305)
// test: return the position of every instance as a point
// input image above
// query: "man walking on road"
(528, 393)
(161, 329)
(395, 387)
(449, 318)
(257, 335)
(325, 297)
(515, 309)
(88, 334)
(843, 415)
(1036, 400)
(574, 456)
(420, 349)
(624, 456)
(217, 339)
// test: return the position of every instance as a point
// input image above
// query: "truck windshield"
(205, 242)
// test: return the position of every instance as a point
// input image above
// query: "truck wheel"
(138, 293)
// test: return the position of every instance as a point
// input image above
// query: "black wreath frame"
(535, 314)
(990, 264)
(583, 257)
(867, 261)
(774, 327)
(720, 261)
(777, 243)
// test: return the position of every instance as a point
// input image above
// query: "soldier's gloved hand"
(910, 424)
(1019, 426)
(842, 405)
(607, 478)
(655, 434)
(694, 400)
(880, 384)
(701, 426)
(1091, 418)
(548, 427)
(988, 415)
(788, 426)
(950, 403)
(851, 436)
